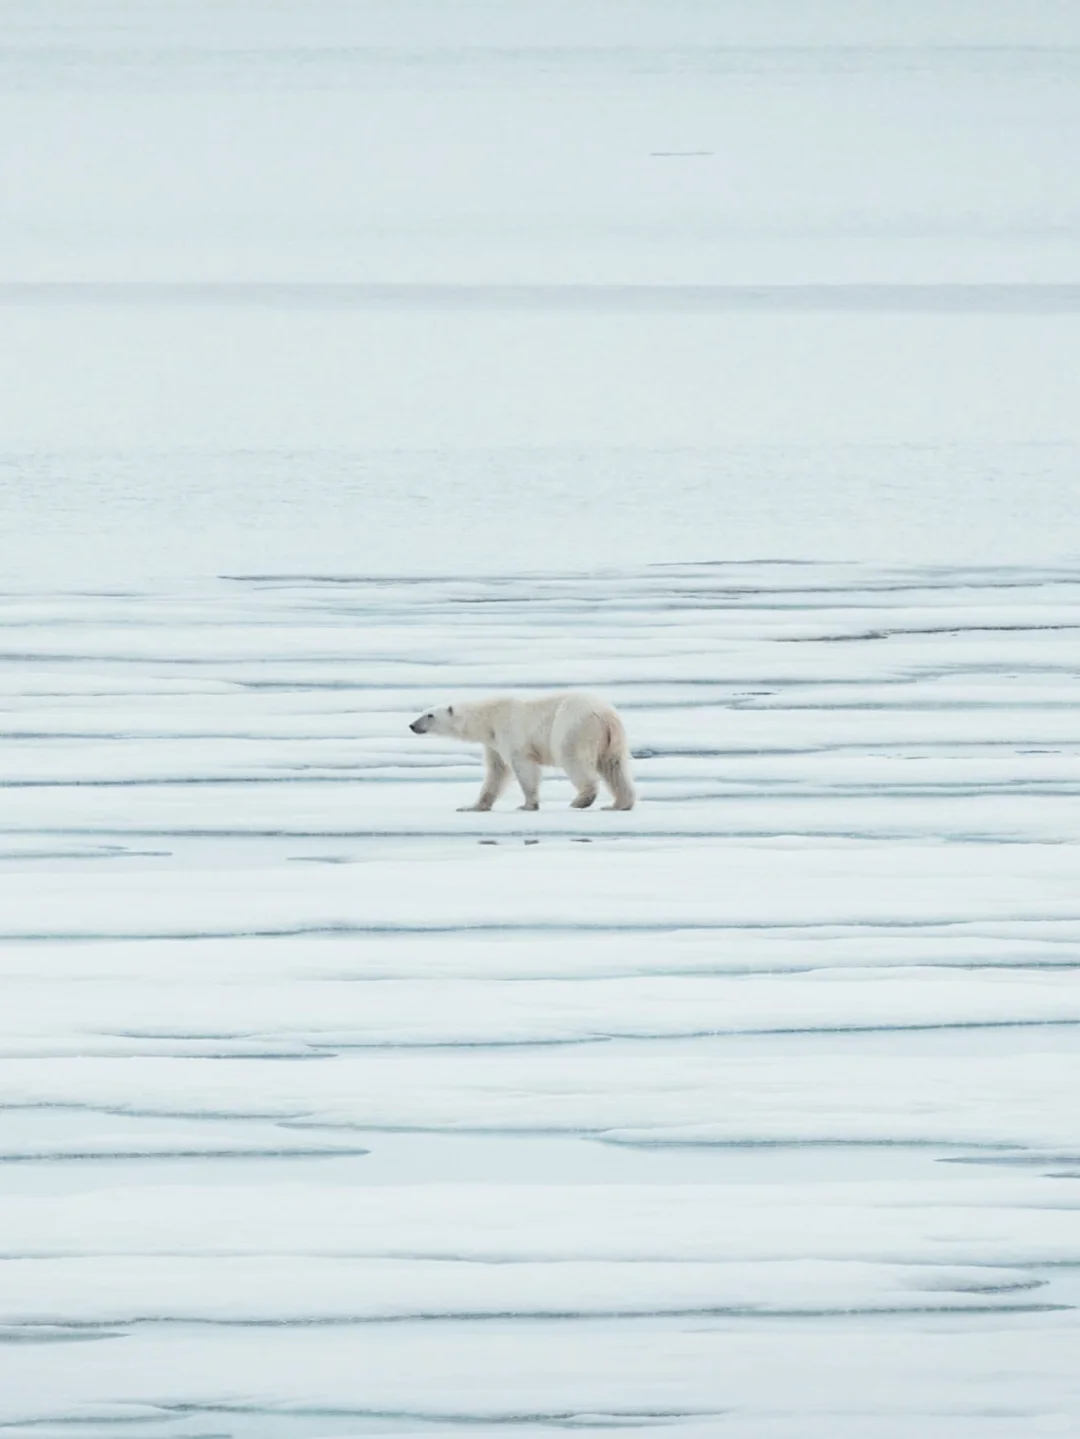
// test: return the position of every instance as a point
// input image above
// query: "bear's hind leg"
(615, 770)
(584, 779)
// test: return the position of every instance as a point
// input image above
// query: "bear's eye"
(450, 710)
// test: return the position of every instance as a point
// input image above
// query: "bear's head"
(438, 721)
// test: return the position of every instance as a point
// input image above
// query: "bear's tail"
(614, 766)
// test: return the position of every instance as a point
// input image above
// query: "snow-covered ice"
(719, 357)
(313, 1085)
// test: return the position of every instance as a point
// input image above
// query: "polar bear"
(579, 733)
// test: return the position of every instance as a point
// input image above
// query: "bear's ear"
(450, 711)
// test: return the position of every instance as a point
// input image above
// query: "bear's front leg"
(528, 777)
(496, 773)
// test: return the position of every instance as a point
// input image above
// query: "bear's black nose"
(415, 726)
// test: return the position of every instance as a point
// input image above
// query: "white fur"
(577, 733)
